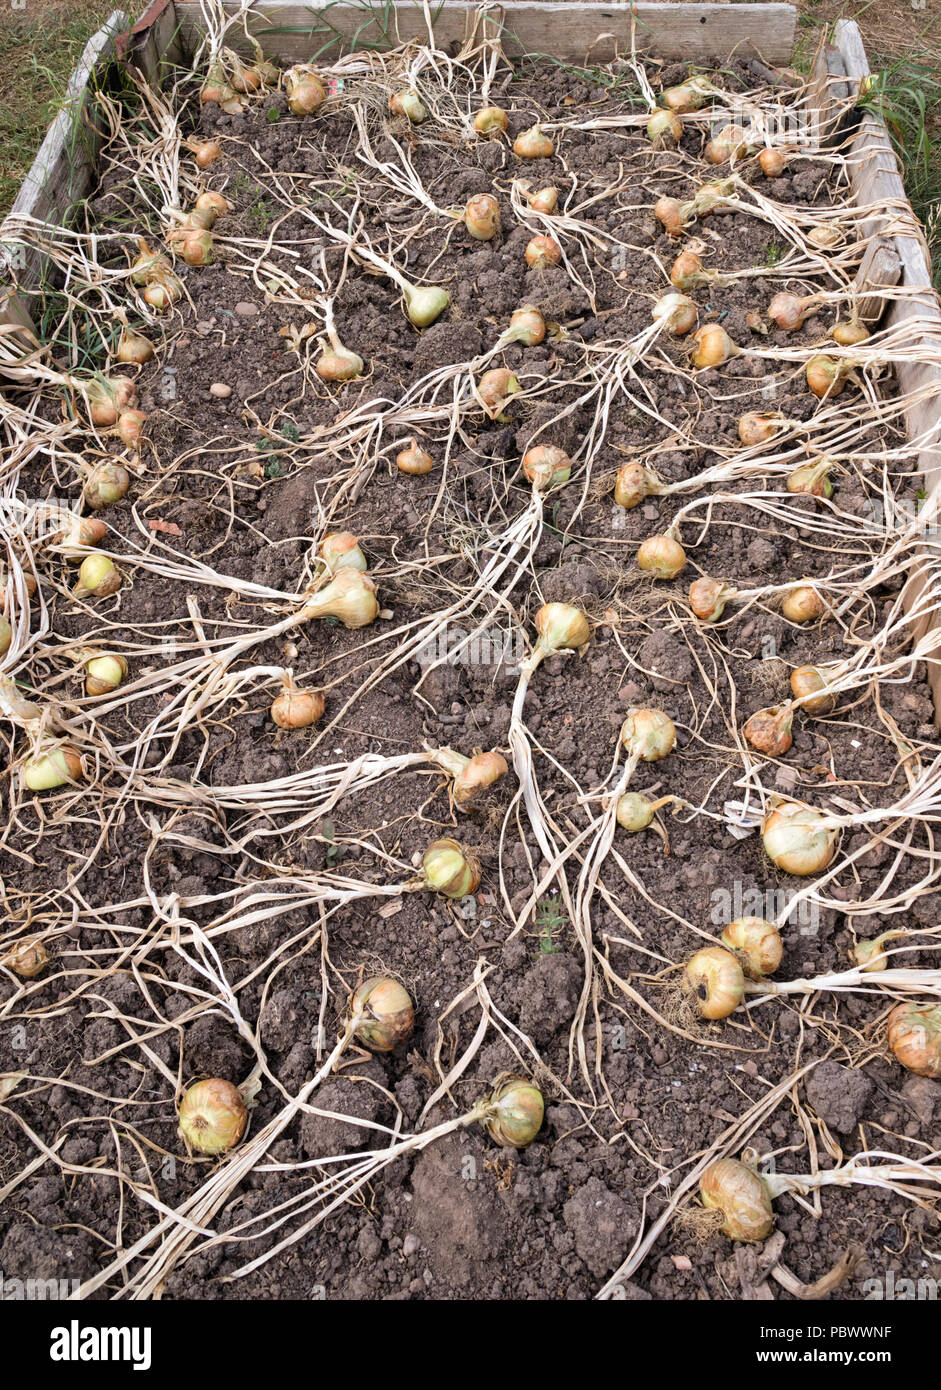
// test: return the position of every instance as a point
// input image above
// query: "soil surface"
(244, 484)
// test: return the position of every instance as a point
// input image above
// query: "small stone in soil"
(219, 388)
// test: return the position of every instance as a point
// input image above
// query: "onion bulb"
(773, 162)
(26, 958)
(295, 708)
(633, 483)
(757, 945)
(196, 247)
(130, 427)
(690, 95)
(825, 237)
(305, 91)
(104, 673)
(648, 734)
(341, 550)
(914, 1035)
(212, 205)
(796, 841)
(532, 144)
(825, 376)
(105, 485)
(491, 120)
(6, 636)
(731, 143)
(382, 1013)
(708, 597)
(482, 216)
(758, 426)
(870, 956)
(206, 152)
(849, 334)
(495, 389)
(806, 682)
(339, 364)
(811, 478)
(107, 397)
(424, 303)
(134, 347)
(742, 1196)
(212, 1116)
(527, 326)
(674, 216)
(479, 772)
(803, 605)
(414, 460)
(769, 730)
(514, 1112)
(55, 769)
(544, 200)
(561, 627)
(676, 312)
(408, 104)
(97, 576)
(687, 272)
(635, 812)
(661, 556)
(788, 311)
(546, 467)
(712, 197)
(450, 870)
(543, 252)
(711, 346)
(664, 130)
(350, 596)
(714, 979)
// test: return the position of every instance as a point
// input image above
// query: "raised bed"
(487, 973)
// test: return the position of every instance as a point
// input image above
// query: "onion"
(708, 597)
(849, 334)
(788, 311)
(482, 216)
(495, 389)
(105, 485)
(414, 460)
(635, 811)
(712, 197)
(350, 596)
(339, 364)
(491, 120)
(561, 627)
(664, 130)
(711, 346)
(212, 204)
(758, 426)
(826, 376)
(716, 982)
(134, 347)
(305, 91)
(730, 144)
(408, 104)
(295, 708)
(803, 605)
(130, 427)
(424, 303)
(633, 483)
(196, 247)
(661, 556)
(104, 674)
(795, 840)
(806, 682)
(55, 769)
(825, 237)
(532, 144)
(687, 272)
(674, 215)
(648, 734)
(914, 1035)
(78, 531)
(527, 326)
(206, 152)
(811, 478)
(676, 312)
(26, 958)
(769, 730)
(514, 1112)
(547, 467)
(341, 550)
(382, 1013)
(6, 636)
(773, 163)
(97, 576)
(158, 297)
(870, 956)
(543, 252)
(757, 945)
(742, 1196)
(450, 870)
(544, 200)
(107, 397)
(690, 95)
(479, 772)
(212, 1116)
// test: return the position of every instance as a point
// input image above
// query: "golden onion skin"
(515, 1113)
(795, 842)
(384, 1013)
(716, 980)
(757, 944)
(742, 1196)
(914, 1035)
(213, 1116)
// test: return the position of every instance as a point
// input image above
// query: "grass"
(37, 54)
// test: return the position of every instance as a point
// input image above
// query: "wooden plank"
(826, 92)
(155, 47)
(322, 31)
(64, 169)
(876, 179)
(880, 269)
